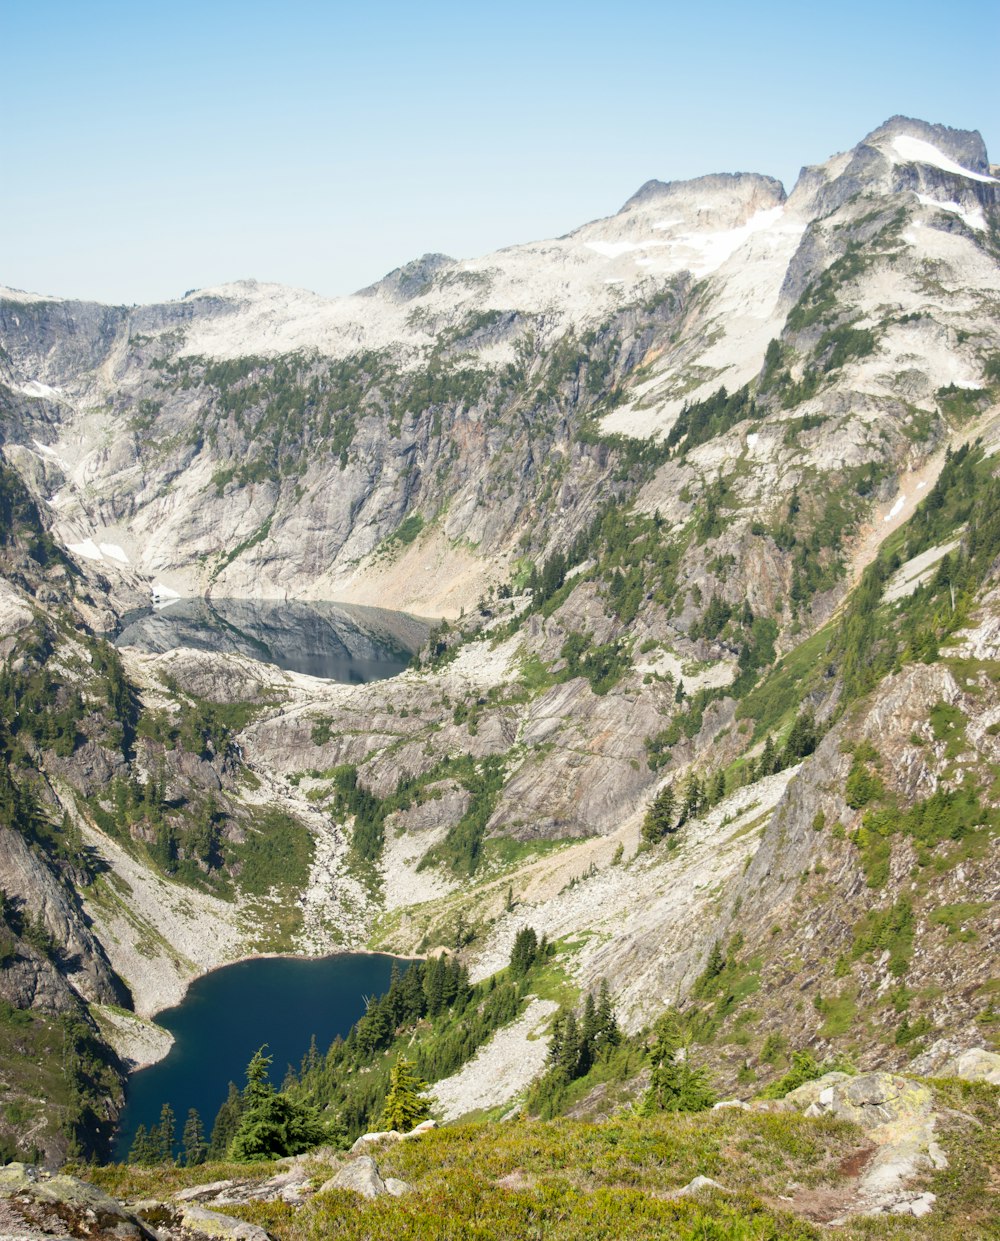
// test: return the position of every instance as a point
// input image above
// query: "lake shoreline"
(240, 1006)
(135, 1064)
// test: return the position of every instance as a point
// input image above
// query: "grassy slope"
(570, 1179)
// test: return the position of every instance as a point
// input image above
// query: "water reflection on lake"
(336, 641)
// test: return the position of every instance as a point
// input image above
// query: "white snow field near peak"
(916, 150)
(974, 219)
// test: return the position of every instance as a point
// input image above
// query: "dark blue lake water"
(228, 1014)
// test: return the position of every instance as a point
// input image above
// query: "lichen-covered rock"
(878, 1102)
(697, 1186)
(36, 1204)
(809, 1093)
(205, 1223)
(371, 1139)
(199, 1193)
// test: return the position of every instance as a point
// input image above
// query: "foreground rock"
(37, 1204)
(203, 1222)
(361, 1176)
(897, 1116)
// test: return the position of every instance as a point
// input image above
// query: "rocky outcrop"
(897, 1116)
(39, 1204)
(37, 895)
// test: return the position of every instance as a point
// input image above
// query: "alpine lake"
(282, 1003)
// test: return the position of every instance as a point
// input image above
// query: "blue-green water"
(228, 1014)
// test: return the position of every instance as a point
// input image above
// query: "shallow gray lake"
(336, 641)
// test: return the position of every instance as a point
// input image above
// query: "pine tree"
(675, 1085)
(258, 1085)
(166, 1131)
(405, 1107)
(569, 1048)
(272, 1125)
(659, 820)
(226, 1123)
(588, 1036)
(719, 786)
(434, 984)
(524, 952)
(607, 1020)
(141, 1151)
(801, 740)
(193, 1140)
(694, 797)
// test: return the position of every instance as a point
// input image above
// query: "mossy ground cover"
(571, 1179)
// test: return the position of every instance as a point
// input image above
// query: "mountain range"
(698, 497)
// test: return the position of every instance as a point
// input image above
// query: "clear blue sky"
(149, 148)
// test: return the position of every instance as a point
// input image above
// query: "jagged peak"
(965, 146)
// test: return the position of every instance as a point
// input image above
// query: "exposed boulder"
(360, 1176)
(36, 1204)
(897, 1116)
(206, 1223)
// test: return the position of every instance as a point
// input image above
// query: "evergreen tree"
(719, 786)
(193, 1140)
(405, 1107)
(311, 1060)
(801, 740)
(141, 1151)
(569, 1047)
(694, 797)
(166, 1132)
(607, 1020)
(434, 985)
(588, 1036)
(524, 952)
(226, 1123)
(714, 966)
(272, 1125)
(675, 1085)
(258, 1085)
(659, 820)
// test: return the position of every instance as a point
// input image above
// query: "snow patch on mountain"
(974, 219)
(916, 151)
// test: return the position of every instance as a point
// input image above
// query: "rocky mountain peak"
(964, 146)
(409, 281)
(752, 189)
